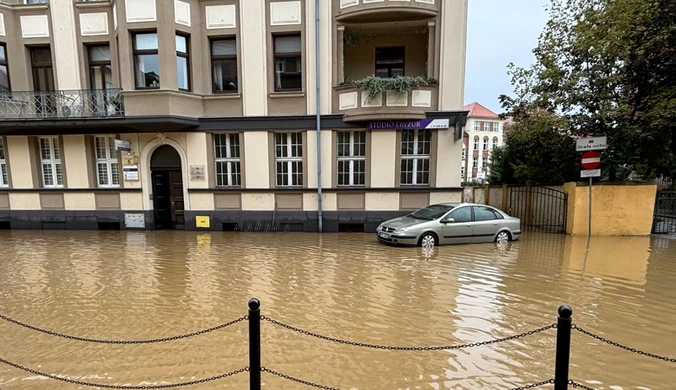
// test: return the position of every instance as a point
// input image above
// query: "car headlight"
(402, 230)
(380, 227)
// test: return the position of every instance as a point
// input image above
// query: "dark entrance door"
(167, 178)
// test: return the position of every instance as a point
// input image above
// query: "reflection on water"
(141, 285)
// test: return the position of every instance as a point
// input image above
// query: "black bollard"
(563, 330)
(255, 344)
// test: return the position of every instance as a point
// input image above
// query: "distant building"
(484, 131)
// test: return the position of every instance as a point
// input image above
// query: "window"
(107, 165)
(476, 143)
(4, 70)
(495, 142)
(485, 214)
(496, 127)
(35, 1)
(43, 79)
(228, 165)
(476, 126)
(146, 61)
(475, 162)
(4, 180)
(464, 152)
(485, 143)
(288, 66)
(183, 62)
(289, 159)
(390, 61)
(100, 72)
(463, 214)
(224, 65)
(351, 158)
(50, 159)
(415, 157)
(486, 126)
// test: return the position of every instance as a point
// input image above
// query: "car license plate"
(384, 235)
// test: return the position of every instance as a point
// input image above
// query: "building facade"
(484, 131)
(222, 114)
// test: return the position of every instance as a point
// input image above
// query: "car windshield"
(432, 212)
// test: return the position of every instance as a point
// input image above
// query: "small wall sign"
(130, 172)
(202, 222)
(122, 145)
(197, 172)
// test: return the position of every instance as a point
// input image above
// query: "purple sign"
(409, 124)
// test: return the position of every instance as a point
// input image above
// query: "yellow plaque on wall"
(202, 222)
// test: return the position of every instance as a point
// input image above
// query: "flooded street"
(142, 285)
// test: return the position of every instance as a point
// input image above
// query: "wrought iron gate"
(664, 219)
(541, 209)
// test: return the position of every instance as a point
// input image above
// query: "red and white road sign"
(591, 160)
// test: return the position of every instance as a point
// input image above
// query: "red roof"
(476, 110)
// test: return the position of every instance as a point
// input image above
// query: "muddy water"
(145, 285)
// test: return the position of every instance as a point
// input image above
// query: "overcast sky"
(499, 32)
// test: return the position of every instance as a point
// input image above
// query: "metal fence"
(561, 381)
(66, 104)
(542, 209)
(664, 219)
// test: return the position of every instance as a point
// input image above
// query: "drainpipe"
(319, 120)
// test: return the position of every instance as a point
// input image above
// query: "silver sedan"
(450, 223)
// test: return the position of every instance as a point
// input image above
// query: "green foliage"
(377, 85)
(607, 67)
(537, 151)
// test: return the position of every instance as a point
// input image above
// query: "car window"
(497, 214)
(463, 214)
(483, 214)
(431, 212)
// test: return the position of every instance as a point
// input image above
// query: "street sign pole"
(590, 206)
(591, 161)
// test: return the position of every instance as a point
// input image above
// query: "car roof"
(458, 204)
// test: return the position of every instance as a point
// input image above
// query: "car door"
(457, 227)
(485, 224)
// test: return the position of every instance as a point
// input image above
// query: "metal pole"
(254, 344)
(564, 324)
(320, 222)
(590, 206)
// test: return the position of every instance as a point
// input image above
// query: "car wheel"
(428, 239)
(503, 237)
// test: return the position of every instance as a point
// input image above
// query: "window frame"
(416, 157)
(139, 52)
(229, 160)
(97, 64)
(475, 162)
(186, 56)
(47, 67)
(477, 126)
(109, 159)
(52, 162)
(290, 159)
(214, 58)
(476, 142)
(351, 158)
(4, 177)
(275, 56)
(5, 63)
(485, 144)
(389, 67)
(487, 126)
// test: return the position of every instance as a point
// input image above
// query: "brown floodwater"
(140, 285)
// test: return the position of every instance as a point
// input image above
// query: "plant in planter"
(377, 85)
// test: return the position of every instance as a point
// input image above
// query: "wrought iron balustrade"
(65, 104)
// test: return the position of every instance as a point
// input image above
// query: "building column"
(65, 41)
(340, 66)
(431, 48)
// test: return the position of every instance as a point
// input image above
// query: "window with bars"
(228, 160)
(416, 147)
(107, 164)
(351, 158)
(4, 179)
(289, 159)
(50, 160)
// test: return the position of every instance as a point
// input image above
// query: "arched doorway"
(167, 180)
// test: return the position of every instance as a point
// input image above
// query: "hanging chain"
(577, 385)
(100, 341)
(105, 386)
(399, 348)
(618, 345)
(534, 385)
(290, 378)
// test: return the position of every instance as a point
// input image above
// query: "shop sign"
(409, 125)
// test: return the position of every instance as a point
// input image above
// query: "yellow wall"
(449, 159)
(76, 161)
(79, 201)
(383, 153)
(386, 201)
(617, 210)
(256, 159)
(19, 162)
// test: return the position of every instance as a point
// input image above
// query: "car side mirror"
(448, 220)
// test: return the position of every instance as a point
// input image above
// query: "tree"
(538, 151)
(607, 67)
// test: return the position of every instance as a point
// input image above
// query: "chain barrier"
(105, 386)
(400, 348)
(618, 345)
(577, 385)
(534, 385)
(293, 379)
(100, 341)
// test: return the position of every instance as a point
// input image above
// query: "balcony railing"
(67, 104)
(355, 105)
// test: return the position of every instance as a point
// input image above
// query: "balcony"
(72, 104)
(357, 11)
(355, 105)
